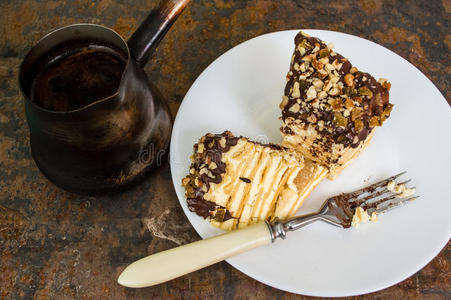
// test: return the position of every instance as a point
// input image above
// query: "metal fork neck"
(279, 229)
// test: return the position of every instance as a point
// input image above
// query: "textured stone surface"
(59, 245)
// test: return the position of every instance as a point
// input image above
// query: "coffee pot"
(109, 144)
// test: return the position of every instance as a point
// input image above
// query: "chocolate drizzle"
(207, 167)
(355, 90)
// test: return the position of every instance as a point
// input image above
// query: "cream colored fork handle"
(173, 263)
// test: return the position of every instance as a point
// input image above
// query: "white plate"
(241, 91)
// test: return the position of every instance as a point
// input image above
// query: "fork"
(338, 210)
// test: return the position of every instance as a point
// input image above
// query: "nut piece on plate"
(234, 182)
(330, 109)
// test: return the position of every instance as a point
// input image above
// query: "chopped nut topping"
(375, 121)
(334, 78)
(316, 49)
(302, 67)
(312, 118)
(311, 93)
(284, 102)
(327, 85)
(200, 148)
(305, 44)
(339, 120)
(307, 73)
(318, 83)
(295, 108)
(358, 125)
(336, 103)
(209, 174)
(386, 112)
(308, 57)
(359, 100)
(385, 84)
(317, 65)
(382, 80)
(330, 67)
(365, 92)
(337, 65)
(315, 103)
(334, 91)
(222, 142)
(296, 91)
(322, 95)
(324, 60)
(185, 181)
(349, 80)
(349, 104)
(322, 74)
(301, 50)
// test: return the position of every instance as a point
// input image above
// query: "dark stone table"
(59, 245)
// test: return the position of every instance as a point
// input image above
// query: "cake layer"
(235, 182)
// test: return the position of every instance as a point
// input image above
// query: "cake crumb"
(373, 217)
(360, 216)
(400, 189)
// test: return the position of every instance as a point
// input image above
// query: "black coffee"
(76, 75)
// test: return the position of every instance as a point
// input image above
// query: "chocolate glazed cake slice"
(330, 108)
(235, 182)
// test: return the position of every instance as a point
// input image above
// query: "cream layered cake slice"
(234, 182)
(330, 109)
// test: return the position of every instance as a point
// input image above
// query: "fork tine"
(375, 194)
(377, 203)
(374, 185)
(405, 182)
(391, 205)
(371, 196)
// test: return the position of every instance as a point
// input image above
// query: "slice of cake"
(235, 182)
(330, 108)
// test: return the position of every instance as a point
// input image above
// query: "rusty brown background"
(59, 245)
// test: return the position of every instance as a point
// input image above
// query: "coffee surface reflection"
(77, 74)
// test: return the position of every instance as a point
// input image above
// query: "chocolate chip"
(247, 180)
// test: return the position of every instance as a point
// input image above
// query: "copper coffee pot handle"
(146, 38)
